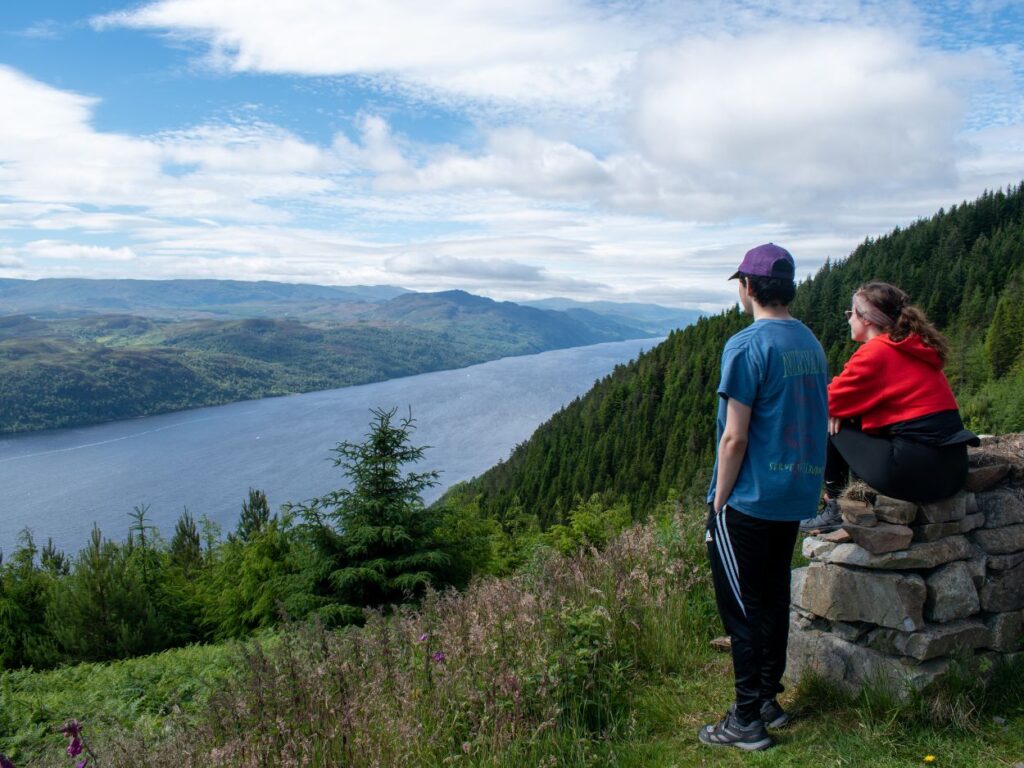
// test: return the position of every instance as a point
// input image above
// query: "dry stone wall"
(903, 588)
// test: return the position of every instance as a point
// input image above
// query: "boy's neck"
(774, 312)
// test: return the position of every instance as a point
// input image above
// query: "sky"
(519, 149)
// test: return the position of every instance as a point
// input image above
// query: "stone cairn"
(902, 588)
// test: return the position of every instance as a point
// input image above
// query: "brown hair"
(890, 309)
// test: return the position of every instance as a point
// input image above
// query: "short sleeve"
(740, 376)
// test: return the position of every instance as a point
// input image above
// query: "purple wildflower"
(423, 637)
(439, 656)
(5, 762)
(82, 764)
(72, 729)
(75, 747)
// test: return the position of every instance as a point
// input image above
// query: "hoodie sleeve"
(859, 388)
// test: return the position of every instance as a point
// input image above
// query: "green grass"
(585, 662)
(137, 695)
(828, 729)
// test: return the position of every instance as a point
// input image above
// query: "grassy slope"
(139, 695)
(643, 610)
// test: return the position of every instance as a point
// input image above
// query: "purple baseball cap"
(768, 260)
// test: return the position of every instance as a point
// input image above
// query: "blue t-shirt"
(778, 368)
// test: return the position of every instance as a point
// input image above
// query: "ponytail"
(890, 309)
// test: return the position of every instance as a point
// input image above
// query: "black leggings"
(893, 465)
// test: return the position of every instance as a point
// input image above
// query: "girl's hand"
(833, 425)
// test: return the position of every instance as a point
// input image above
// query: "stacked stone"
(902, 588)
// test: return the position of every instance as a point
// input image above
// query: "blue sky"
(618, 150)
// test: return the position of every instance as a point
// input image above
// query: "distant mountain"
(485, 322)
(652, 318)
(58, 370)
(61, 297)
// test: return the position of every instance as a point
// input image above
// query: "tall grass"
(534, 669)
(596, 659)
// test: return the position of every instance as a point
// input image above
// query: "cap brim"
(737, 274)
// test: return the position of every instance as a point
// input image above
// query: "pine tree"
(1005, 334)
(102, 609)
(375, 539)
(255, 514)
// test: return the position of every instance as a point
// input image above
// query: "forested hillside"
(646, 431)
(69, 371)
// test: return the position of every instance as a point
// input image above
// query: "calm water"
(58, 483)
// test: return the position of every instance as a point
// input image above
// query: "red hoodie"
(888, 381)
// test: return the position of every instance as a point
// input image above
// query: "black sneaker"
(830, 519)
(729, 732)
(773, 715)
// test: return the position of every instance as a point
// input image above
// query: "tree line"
(645, 432)
(371, 543)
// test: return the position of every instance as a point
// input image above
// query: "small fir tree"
(255, 514)
(375, 540)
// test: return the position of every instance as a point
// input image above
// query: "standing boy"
(772, 430)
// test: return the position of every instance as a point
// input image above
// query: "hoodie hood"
(913, 346)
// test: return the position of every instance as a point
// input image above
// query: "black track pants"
(750, 566)
(894, 465)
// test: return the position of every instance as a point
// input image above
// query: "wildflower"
(82, 764)
(5, 762)
(439, 656)
(929, 758)
(423, 637)
(72, 728)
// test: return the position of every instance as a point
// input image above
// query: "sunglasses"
(849, 314)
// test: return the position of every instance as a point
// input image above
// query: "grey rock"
(814, 547)
(896, 511)
(880, 537)
(971, 503)
(847, 594)
(797, 577)
(983, 478)
(853, 667)
(924, 555)
(799, 619)
(944, 510)
(1007, 631)
(1005, 562)
(976, 567)
(1003, 590)
(838, 536)
(1001, 507)
(1000, 541)
(951, 593)
(936, 531)
(972, 521)
(857, 513)
(933, 641)
(850, 632)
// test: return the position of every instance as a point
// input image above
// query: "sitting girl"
(893, 419)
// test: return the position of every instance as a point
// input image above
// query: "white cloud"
(515, 159)
(528, 50)
(252, 149)
(50, 154)
(784, 117)
(68, 251)
(9, 262)
(474, 269)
